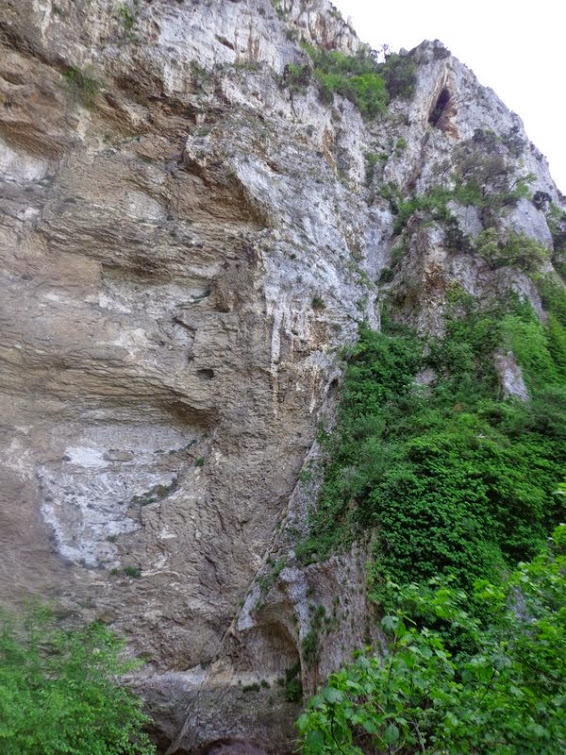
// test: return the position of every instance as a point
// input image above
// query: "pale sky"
(515, 47)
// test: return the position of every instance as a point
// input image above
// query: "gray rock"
(186, 244)
(511, 377)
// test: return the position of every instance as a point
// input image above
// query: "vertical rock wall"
(185, 242)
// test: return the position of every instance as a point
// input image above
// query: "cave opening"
(441, 105)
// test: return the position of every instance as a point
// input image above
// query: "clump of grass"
(132, 571)
(82, 84)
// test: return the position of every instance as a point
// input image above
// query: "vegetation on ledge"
(359, 78)
(451, 478)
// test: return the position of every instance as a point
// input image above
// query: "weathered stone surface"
(184, 243)
(511, 377)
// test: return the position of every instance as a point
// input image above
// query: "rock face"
(186, 241)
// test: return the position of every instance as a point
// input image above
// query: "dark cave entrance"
(439, 109)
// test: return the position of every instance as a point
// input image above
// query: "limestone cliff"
(186, 241)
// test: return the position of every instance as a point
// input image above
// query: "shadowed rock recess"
(191, 229)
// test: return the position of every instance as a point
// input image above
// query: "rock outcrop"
(186, 242)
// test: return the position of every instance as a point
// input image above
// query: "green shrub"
(386, 275)
(311, 641)
(504, 694)
(453, 480)
(293, 685)
(511, 249)
(127, 16)
(400, 73)
(58, 690)
(267, 580)
(371, 160)
(297, 77)
(433, 204)
(355, 77)
(82, 84)
(278, 9)
(556, 219)
(400, 145)
(132, 571)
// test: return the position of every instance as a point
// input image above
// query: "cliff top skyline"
(518, 53)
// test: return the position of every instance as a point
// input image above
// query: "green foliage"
(553, 297)
(127, 15)
(391, 192)
(58, 690)
(488, 141)
(156, 493)
(201, 78)
(525, 336)
(278, 9)
(513, 249)
(488, 176)
(400, 73)
(132, 571)
(400, 146)
(371, 160)
(469, 192)
(514, 142)
(293, 685)
(556, 219)
(82, 84)
(506, 694)
(356, 77)
(297, 77)
(452, 479)
(433, 203)
(311, 641)
(386, 276)
(267, 580)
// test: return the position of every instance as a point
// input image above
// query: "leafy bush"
(434, 203)
(133, 571)
(293, 685)
(58, 691)
(556, 219)
(506, 695)
(297, 77)
(486, 172)
(400, 73)
(511, 249)
(355, 77)
(471, 193)
(452, 480)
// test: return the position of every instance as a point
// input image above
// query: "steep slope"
(188, 237)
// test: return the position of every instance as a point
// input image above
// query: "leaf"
(390, 623)
(391, 734)
(332, 695)
(314, 742)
